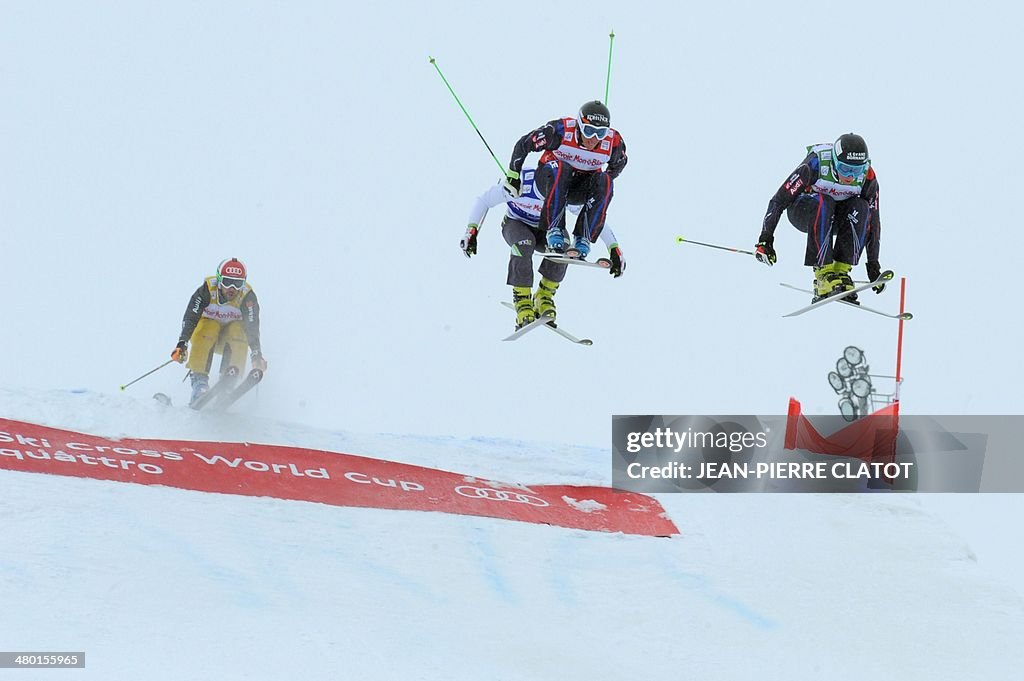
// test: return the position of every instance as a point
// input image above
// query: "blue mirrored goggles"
(591, 131)
(851, 170)
(231, 282)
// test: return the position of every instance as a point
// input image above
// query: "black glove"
(180, 353)
(764, 250)
(468, 243)
(874, 272)
(618, 261)
(513, 185)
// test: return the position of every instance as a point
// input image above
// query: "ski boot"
(842, 270)
(831, 280)
(580, 249)
(200, 384)
(544, 298)
(825, 282)
(556, 240)
(524, 306)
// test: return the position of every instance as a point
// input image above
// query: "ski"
(904, 316)
(561, 332)
(219, 387)
(883, 278)
(569, 337)
(218, 397)
(566, 258)
(229, 398)
(523, 330)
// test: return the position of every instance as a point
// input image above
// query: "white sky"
(143, 143)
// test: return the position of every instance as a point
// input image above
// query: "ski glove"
(618, 260)
(874, 272)
(180, 353)
(468, 243)
(764, 250)
(513, 185)
(257, 360)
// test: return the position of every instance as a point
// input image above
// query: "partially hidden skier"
(832, 196)
(523, 233)
(222, 317)
(574, 153)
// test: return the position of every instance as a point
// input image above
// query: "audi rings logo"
(499, 495)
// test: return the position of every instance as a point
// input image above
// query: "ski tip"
(585, 341)
(906, 316)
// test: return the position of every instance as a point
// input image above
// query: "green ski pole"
(608, 78)
(470, 119)
(681, 240)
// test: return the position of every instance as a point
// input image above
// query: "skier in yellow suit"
(222, 317)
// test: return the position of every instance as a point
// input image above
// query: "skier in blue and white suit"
(522, 232)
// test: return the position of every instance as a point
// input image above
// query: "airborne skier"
(222, 317)
(832, 196)
(521, 230)
(574, 152)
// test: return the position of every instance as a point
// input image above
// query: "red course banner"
(324, 477)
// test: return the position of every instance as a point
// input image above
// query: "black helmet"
(851, 149)
(595, 113)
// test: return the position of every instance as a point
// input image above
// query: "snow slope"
(159, 583)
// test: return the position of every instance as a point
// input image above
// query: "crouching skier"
(222, 317)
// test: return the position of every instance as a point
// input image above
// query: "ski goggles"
(851, 172)
(232, 282)
(590, 131)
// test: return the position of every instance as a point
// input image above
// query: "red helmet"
(231, 273)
